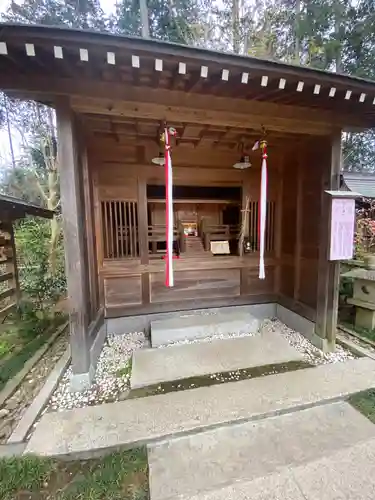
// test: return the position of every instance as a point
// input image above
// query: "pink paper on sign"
(342, 229)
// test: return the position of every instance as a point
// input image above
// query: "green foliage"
(106, 480)
(14, 364)
(121, 475)
(37, 282)
(86, 14)
(5, 348)
(26, 473)
(126, 370)
(346, 287)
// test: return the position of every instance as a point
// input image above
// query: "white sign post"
(342, 222)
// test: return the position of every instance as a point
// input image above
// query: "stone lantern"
(363, 296)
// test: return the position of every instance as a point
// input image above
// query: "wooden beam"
(113, 94)
(206, 116)
(74, 237)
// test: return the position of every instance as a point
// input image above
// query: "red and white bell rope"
(263, 210)
(168, 206)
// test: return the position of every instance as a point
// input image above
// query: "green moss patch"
(217, 378)
(365, 403)
(119, 476)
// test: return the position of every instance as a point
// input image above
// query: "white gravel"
(109, 383)
(310, 353)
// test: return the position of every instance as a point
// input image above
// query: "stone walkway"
(153, 366)
(345, 475)
(83, 432)
(203, 462)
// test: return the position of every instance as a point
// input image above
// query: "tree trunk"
(236, 25)
(10, 140)
(144, 18)
(297, 40)
(338, 21)
(52, 203)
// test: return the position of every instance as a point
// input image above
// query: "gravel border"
(112, 376)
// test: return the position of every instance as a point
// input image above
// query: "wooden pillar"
(244, 271)
(328, 271)
(299, 221)
(143, 237)
(278, 226)
(74, 237)
(91, 234)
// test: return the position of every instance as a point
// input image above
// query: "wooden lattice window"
(120, 229)
(270, 226)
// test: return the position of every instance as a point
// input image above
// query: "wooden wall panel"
(126, 191)
(287, 280)
(123, 291)
(195, 285)
(309, 281)
(311, 217)
(252, 285)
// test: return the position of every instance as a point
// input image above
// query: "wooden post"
(74, 237)
(333, 266)
(328, 272)
(143, 238)
(278, 226)
(91, 235)
(299, 220)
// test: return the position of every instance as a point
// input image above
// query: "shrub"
(33, 248)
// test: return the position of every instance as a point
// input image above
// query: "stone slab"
(12, 450)
(254, 449)
(202, 324)
(345, 475)
(153, 366)
(142, 322)
(84, 432)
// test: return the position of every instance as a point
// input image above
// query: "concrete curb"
(12, 385)
(355, 334)
(354, 348)
(34, 410)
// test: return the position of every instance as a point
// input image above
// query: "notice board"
(342, 229)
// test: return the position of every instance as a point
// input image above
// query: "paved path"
(81, 432)
(152, 366)
(213, 459)
(345, 475)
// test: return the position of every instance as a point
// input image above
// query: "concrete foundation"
(79, 382)
(190, 326)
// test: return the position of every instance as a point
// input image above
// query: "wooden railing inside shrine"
(218, 232)
(209, 232)
(120, 229)
(9, 286)
(270, 226)
(157, 233)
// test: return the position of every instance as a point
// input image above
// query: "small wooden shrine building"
(11, 210)
(112, 96)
